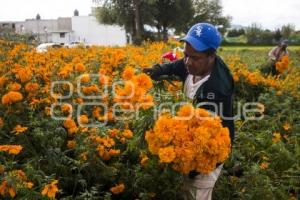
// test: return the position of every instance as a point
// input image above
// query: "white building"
(89, 31)
(66, 30)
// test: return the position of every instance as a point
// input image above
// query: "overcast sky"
(268, 13)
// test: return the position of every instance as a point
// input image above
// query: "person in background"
(276, 54)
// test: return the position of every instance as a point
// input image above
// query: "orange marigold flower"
(66, 108)
(11, 97)
(69, 123)
(14, 87)
(80, 67)
(71, 144)
(83, 119)
(143, 81)
(11, 149)
(264, 165)
(6, 189)
(114, 152)
(113, 132)
(128, 73)
(117, 189)
(108, 142)
(50, 190)
(127, 134)
(24, 74)
(90, 89)
(167, 154)
(31, 87)
(19, 129)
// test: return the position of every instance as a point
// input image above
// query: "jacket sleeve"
(176, 68)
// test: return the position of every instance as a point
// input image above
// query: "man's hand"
(153, 72)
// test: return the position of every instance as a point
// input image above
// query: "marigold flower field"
(71, 126)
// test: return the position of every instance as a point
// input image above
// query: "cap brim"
(196, 44)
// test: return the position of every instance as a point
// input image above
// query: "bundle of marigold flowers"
(191, 140)
(283, 64)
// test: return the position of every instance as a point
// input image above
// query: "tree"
(287, 30)
(235, 32)
(253, 34)
(161, 14)
(134, 14)
(277, 35)
(169, 14)
(210, 11)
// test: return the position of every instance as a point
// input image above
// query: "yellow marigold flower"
(85, 78)
(80, 67)
(50, 190)
(144, 160)
(167, 154)
(11, 149)
(278, 93)
(6, 189)
(11, 97)
(83, 156)
(29, 185)
(71, 144)
(31, 87)
(264, 165)
(47, 111)
(19, 129)
(83, 119)
(117, 189)
(276, 137)
(286, 126)
(127, 134)
(14, 87)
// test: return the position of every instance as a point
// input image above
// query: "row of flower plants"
(86, 123)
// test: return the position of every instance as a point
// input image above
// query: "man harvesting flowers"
(209, 83)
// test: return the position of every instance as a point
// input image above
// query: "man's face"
(197, 63)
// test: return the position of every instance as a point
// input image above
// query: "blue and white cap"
(203, 36)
